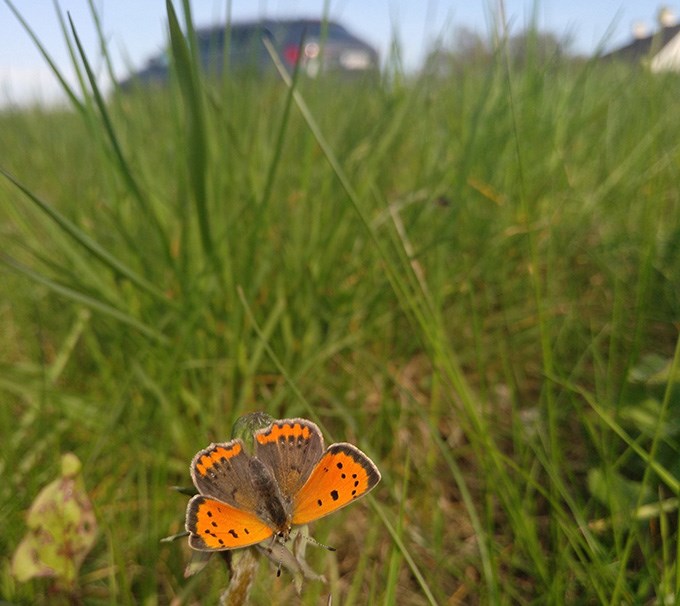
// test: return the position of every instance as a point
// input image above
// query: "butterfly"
(290, 480)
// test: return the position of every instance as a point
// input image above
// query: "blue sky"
(135, 29)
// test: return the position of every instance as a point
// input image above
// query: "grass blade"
(88, 243)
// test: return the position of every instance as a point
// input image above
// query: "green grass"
(475, 280)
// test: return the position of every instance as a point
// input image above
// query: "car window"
(161, 60)
(317, 30)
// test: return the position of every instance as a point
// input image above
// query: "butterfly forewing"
(343, 474)
(214, 526)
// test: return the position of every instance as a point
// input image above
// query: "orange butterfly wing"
(214, 525)
(343, 474)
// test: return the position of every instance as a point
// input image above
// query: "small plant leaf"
(61, 529)
(615, 491)
(246, 426)
(652, 370)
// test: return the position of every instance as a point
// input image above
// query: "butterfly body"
(290, 480)
(272, 507)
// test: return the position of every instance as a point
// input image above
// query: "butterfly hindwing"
(289, 448)
(223, 471)
(215, 526)
(342, 474)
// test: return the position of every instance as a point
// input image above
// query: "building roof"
(645, 47)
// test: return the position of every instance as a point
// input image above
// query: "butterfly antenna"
(313, 541)
(272, 555)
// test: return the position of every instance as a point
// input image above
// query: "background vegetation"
(471, 276)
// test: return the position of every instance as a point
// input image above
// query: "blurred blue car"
(319, 47)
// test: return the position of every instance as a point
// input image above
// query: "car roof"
(291, 26)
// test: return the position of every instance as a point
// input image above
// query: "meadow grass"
(474, 279)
